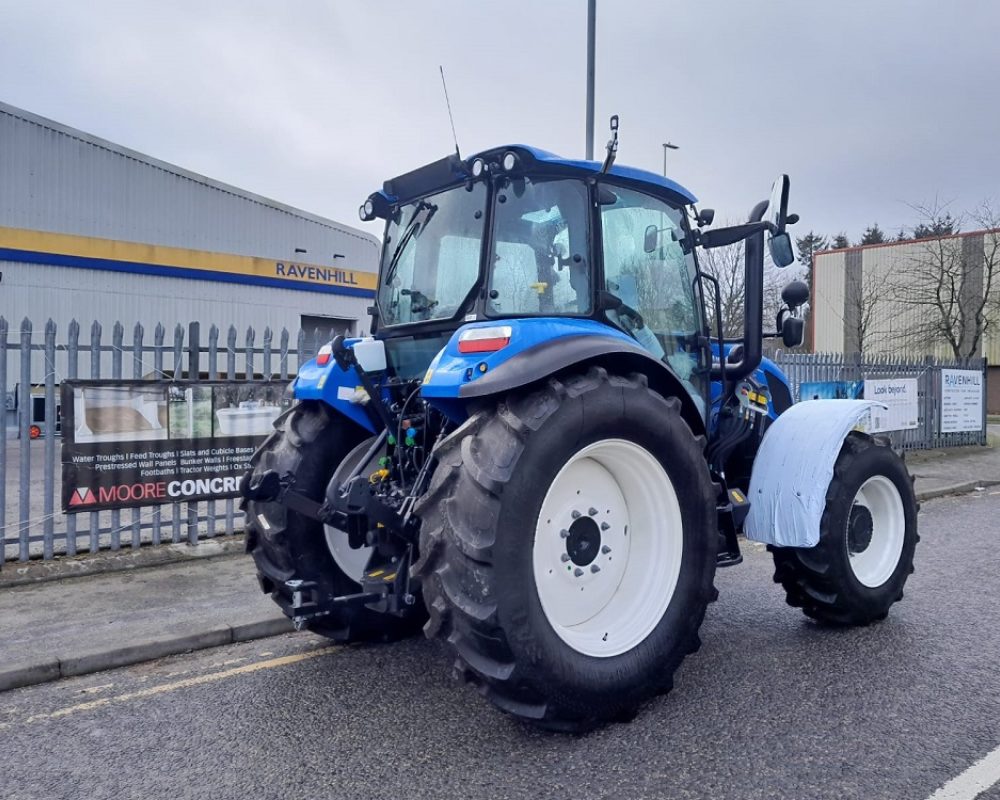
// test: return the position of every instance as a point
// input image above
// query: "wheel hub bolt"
(564, 557)
(564, 533)
(578, 572)
(592, 511)
(576, 514)
(604, 526)
(595, 568)
(605, 549)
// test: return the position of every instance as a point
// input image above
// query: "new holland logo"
(82, 497)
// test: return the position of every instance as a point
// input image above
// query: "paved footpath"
(58, 628)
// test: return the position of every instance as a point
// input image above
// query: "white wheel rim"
(874, 564)
(350, 560)
(621, 490)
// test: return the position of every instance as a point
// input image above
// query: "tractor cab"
(516, 233)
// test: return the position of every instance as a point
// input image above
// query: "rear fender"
(339, 388)
(540, 347)
(793, 470)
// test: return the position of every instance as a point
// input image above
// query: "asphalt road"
(773, 706)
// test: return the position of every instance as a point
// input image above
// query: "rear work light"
(324, 355)
(484, 340)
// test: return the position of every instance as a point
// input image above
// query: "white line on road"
(974, 781)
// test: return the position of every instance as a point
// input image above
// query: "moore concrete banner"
(961, 400)
(139, 443)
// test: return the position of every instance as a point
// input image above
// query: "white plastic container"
(370, 353)
(251, 418)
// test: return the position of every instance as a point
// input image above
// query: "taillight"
(324, 355)
(484, 340)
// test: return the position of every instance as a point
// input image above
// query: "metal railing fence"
(33, 526)
(852, 367)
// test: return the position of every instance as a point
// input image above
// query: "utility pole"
(591, 25)
(667, 146)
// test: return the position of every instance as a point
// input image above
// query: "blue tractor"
(545, 448)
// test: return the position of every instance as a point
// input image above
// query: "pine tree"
(873, 235)
(936, 226)
(808, 246)
(840, 241)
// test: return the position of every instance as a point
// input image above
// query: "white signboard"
(961, 400)
(900, 395)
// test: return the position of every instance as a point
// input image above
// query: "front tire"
(868, 534)
(529, 497)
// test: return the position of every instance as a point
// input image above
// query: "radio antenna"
(450, 117)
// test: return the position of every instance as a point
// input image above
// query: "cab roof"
(452, 171)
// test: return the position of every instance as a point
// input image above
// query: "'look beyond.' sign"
(961, 400)
(900, 395)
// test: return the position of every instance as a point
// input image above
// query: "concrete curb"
(957, 488)
(75, 664)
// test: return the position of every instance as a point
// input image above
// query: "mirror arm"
(753, 314)
(720, 237)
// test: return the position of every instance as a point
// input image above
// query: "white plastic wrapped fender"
(793, 470)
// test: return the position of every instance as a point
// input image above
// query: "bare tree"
(726, 265)
(860, 306)
(949, 282)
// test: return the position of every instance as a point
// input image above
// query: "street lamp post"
(591, 24)
(667, 146)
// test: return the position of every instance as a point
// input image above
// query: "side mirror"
(651, 238)
(793, 331)
(795, 294)
(782, 253)
(777, 203)
(705, 217)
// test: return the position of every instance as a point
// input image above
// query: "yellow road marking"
(186, 683)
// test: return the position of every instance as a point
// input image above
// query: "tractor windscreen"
(430, 261)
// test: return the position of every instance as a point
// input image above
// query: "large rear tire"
(568, 547)
(309, 443)
(868, 534)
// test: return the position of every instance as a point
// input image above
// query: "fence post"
(159, 335)
(230, 376)
(213, 366)
(983, 438)
(3, 443)
(193, 374)
(95, 374)
(48, 509)
(137, 336)
(283, 357)
(117, 348)
(72, 354)
(266, 355)
(24, 406)
(175, 508)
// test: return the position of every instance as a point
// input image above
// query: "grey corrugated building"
(94, 231)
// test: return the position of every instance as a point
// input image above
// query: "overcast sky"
(869, 106)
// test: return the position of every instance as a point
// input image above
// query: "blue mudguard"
(338, 388)
(538, 347)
